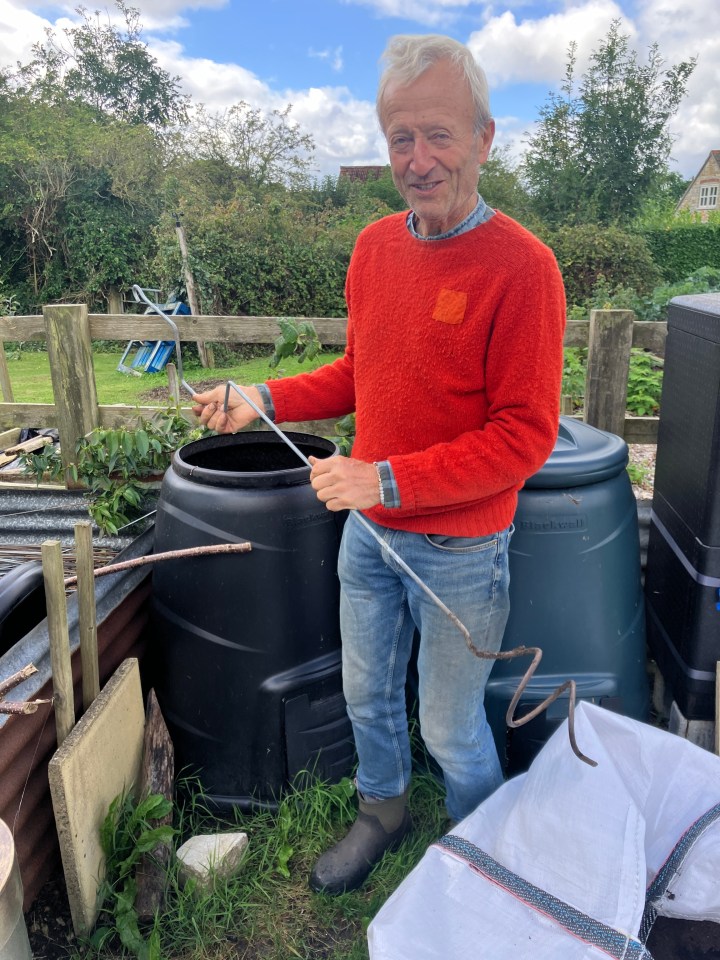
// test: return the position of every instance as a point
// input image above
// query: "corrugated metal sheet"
(28, 742)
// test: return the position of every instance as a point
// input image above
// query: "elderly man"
(453, 366)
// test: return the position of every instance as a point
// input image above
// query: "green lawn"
(30, 376)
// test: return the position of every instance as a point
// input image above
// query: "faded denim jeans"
(380, 607)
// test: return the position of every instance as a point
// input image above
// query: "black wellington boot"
(380, 826)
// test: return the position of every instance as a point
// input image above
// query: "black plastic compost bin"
(682, 578)
(248, 645)
(575, 591)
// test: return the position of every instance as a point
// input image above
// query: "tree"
(244, 146)
(603, 144)
(105, 68)
(77, 200)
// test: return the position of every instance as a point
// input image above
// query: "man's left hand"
(345, 484)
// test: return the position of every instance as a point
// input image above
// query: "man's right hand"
(209, 408)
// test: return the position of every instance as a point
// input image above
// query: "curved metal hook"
(535, 652)
(139, 295)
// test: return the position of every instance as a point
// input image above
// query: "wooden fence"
(69, 331)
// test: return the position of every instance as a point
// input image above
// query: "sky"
(322, 57)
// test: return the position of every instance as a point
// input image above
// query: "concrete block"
(210, 856)
(99, 759)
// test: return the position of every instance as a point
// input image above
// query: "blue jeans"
(380, 607)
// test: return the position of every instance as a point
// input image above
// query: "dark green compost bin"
(575, 591)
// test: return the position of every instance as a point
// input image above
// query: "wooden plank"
(22, 329)
(641, 429)
(576, 333)
(59, 636)
(650, 335)
(12, 453)
(128, 326)
(607, 369)
(9, 436)
(27, 415)
(157, 776)
(87, 622)
(73, 377)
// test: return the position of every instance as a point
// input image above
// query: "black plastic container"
(575, 591)
(22, 602)
(248, 645)
(682, 577)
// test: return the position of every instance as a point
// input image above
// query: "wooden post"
(206, 355)
(63, 696)
(114, 301)
(73, 377)
(87, 623)
(5, 385)
(607, 369)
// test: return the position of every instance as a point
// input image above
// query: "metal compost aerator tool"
(139, 295)
(534, 652)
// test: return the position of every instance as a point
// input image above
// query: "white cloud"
(20, 30)
(333, 57)
(535, 51)
(430, 13)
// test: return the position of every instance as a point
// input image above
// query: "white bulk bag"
(580, 846)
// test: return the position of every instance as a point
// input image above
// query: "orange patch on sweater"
(450, 306)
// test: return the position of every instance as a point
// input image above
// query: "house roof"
(715, 154)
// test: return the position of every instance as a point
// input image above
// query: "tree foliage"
(243, 146)
(602, 143)
(588, 255)
(104, 67)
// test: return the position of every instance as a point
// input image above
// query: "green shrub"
(589, 254)
(681, 250)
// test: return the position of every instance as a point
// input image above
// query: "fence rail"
(68, 330)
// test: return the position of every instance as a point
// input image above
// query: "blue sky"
(322, 56)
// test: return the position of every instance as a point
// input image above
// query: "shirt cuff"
(267, 399)
(391, 494)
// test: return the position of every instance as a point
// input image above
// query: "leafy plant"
(297, 338)
(644, 383)
(345, 436)
(128, 832)
(116, 465)
(574, 370)
(637, 473)
(44, 464)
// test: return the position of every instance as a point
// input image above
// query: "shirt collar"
(481, 213)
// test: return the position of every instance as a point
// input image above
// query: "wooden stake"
(59, 634)
(87, 621)
(156, 776)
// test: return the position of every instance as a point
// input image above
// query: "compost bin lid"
(582, 455)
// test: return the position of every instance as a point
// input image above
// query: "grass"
(268, 912)
(30, 376)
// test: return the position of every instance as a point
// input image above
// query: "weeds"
(267, 911)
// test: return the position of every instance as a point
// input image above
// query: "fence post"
(608, 366)
(73, 376)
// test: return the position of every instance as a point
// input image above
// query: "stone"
(208, 856)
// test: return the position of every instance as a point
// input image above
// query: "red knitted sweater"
(453, 366)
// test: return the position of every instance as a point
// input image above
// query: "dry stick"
(22, 708)
(244, 547)
(87, 623)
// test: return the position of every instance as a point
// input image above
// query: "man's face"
(434, 155)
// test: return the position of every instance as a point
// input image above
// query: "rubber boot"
(381, 825)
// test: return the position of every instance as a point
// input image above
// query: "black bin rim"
(191, 461)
